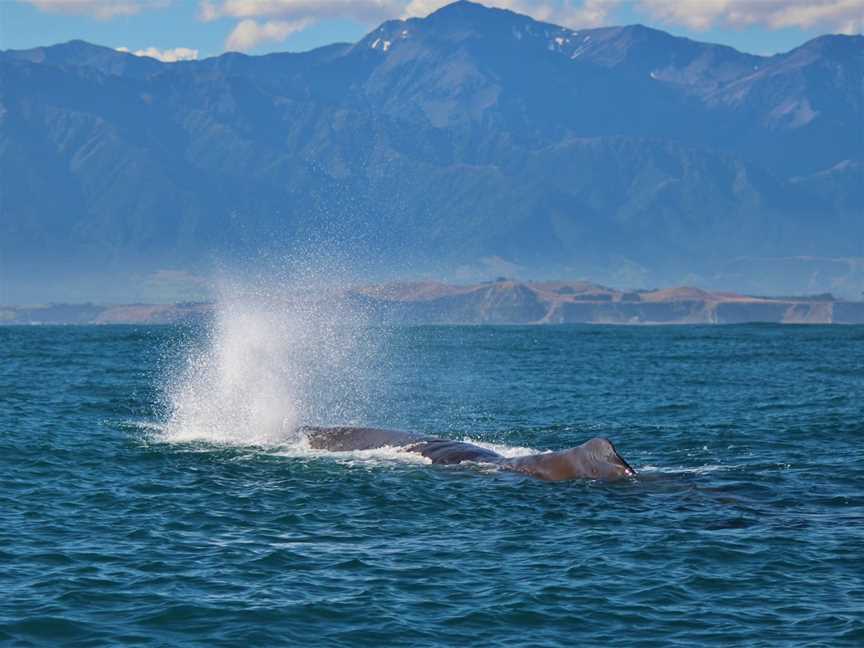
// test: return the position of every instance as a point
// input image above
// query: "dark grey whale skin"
(594, 459)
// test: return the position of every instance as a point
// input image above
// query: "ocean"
(155, 490)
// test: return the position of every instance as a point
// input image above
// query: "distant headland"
(503, 301)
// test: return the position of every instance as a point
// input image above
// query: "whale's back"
(346, 439)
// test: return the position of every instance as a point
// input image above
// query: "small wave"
(383, 455)
(147, 427)
(698, 470)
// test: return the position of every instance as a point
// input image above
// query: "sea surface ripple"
(745, 526)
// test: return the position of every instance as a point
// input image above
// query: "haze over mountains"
(470, 143)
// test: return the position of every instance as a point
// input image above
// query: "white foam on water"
(699, 470)
(504, 450)
(383, 455)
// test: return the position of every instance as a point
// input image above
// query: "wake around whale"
(594, 459)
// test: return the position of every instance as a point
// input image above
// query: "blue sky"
(202, 28)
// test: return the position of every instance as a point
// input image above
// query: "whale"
(595, 459)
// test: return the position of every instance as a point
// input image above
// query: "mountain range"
(469, 143)
(491, 302)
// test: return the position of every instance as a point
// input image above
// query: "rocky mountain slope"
(453, 145)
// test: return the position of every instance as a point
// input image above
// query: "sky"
(188, 29)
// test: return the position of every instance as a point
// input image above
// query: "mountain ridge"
(459, 142)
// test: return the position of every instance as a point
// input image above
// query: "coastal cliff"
(512, 302)
(499, 302)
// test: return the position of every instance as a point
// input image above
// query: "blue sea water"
(154, 494)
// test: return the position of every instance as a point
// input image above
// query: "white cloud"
(845, 16)
(167, 56)
(592, 13)
(285, 17)
(249, 33)
(365, 11)
(100, 9)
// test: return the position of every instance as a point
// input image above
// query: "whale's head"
(599, 460)
(594, 459)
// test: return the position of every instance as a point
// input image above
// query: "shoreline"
(505, 302)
